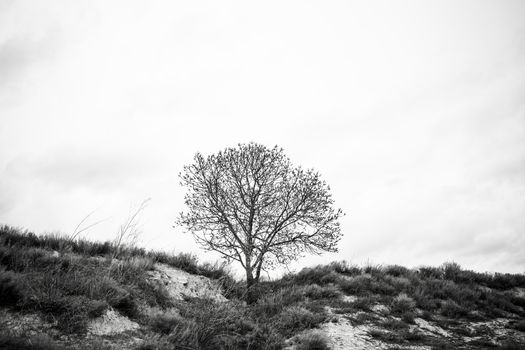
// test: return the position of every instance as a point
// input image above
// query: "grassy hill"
(56, 293)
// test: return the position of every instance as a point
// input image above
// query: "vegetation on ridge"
(70, 283)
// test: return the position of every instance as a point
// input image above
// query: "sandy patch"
(181, 283)
(430, 329)
(111, 323)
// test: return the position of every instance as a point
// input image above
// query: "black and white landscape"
(237, 175)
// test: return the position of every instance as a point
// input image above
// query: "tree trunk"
(251, 283)
(258, 271)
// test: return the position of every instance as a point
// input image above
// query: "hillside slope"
(57, 293)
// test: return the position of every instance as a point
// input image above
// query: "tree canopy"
(251, 205)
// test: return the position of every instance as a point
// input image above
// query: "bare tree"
(251, 205)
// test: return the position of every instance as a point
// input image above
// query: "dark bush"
(429, 272)
(505, 281)
(315, 275)
(315, 291)
(344, 268)
(207, 325)
(408, 317)
(312, 341)
(72, 313)
(363, 303)
(393, 324)
(273, 303)
(165, 324)
(374, 270)
(10, 290)
(261, 337)
(449, 308)
(519, 325)
(358, 285)
(397, 271)
(296, 318)
(518, 301)
(384, 335)
(451, 271)
(41, 342)
(510, 345)
(402, 304)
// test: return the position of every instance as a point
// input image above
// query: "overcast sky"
(413, 112)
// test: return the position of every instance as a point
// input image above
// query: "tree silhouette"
(251, 205)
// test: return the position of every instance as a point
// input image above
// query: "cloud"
(70, 169)
(20, 45)
(17, 53)
(415, 118)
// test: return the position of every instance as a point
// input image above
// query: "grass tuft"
(313, 340)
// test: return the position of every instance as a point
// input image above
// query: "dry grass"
(81, 281)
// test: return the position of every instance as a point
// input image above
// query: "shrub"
(186, 262)
(313, 275)
(408, 317)
(214, 270)
(451, 271)
(432, 289)
(427, 315)
(382, 287)
(313, 340)
(208, 325)
(364, 317)
(363, 303)
(394, 324)
(165, 323)
(505, 281)
(193, 335)
(155, 343)
(261, 337)
(520, 326)
(70, 312)
(18, 259)
(374, 270)
(518, 301)
(274, 303)
(314, 291)
(494, 302)
(358, 285)
(296, 318)
(124, 302)
(96, 308)
(344, 268)
(400, 283)
(10, 291)
(402, 304)
(449, 308)
(231, 288)
(413, 336)
(37, 342)
(331, 277)
(429, 272)
(510, 345)
(440, 344)
(384, 335)
(397, 271)
(471, 277)
(367, 284)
